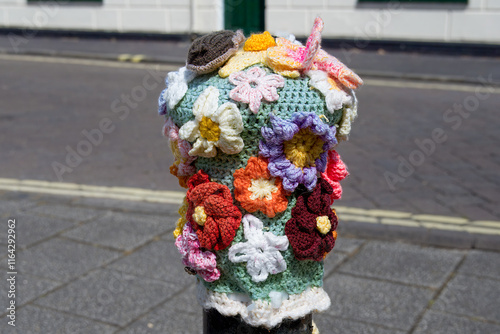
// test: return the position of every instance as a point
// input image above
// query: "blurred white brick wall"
(478, 21)
(158, 16)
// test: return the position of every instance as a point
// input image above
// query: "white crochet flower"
(261, 252)
(336, 98)
(350, 113)
(177, 86)
(213, 126)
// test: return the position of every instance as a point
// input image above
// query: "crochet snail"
(253, 124)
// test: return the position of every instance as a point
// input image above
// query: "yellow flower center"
(199, 215)
(262, 188)
(304, 148)
(209, 129)
(259, 42)
(323, 224)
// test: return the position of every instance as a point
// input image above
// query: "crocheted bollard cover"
(253, 125)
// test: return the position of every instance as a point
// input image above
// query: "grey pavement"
(132, 281)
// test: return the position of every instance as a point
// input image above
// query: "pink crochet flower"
(335, 172)
(182, 166)
(203, 262)
(254, 85)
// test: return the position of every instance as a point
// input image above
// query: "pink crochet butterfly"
(288, 56)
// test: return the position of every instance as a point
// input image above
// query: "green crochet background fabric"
(296, 96)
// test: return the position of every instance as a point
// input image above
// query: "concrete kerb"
(350, 225)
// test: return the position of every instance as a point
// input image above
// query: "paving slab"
(167, 321)
(123, 231)
(454, 239)
(333, 260)
(442, 323)
(487, 242)
(381, 303)
(181, 314)
(62, 259)
(28, 288)
(336, 325)
(347, 245)
(109, 296)
(67, 212)
(479, 263)
(32, 228)
(158, 260)
(471, 296)
(10, 208)
(36, 320)
(404, 263)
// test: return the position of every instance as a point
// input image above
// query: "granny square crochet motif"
(253, 125)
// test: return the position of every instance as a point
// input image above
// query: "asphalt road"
(48, 104)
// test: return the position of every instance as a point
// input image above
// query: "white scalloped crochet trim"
(260, 312)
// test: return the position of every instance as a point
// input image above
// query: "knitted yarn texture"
(253, 125)
(209, 52)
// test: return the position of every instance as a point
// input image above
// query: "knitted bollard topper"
(253, 125)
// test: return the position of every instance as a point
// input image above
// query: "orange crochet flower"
(174, 170)
(256, 189)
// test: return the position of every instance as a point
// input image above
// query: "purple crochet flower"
(162, 103)
(297, 148)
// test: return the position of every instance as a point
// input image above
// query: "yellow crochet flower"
(259, 42)
(182, 220)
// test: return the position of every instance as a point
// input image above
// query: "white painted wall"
(478, 21)
(158, 16)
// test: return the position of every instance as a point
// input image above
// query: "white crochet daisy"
(261, 252)
(213, 126)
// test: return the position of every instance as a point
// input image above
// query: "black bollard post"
(216, 323)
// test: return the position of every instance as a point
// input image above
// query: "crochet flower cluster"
(257, 158)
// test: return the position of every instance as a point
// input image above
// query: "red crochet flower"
(311, 230)
(335, 172)
(211, 212)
